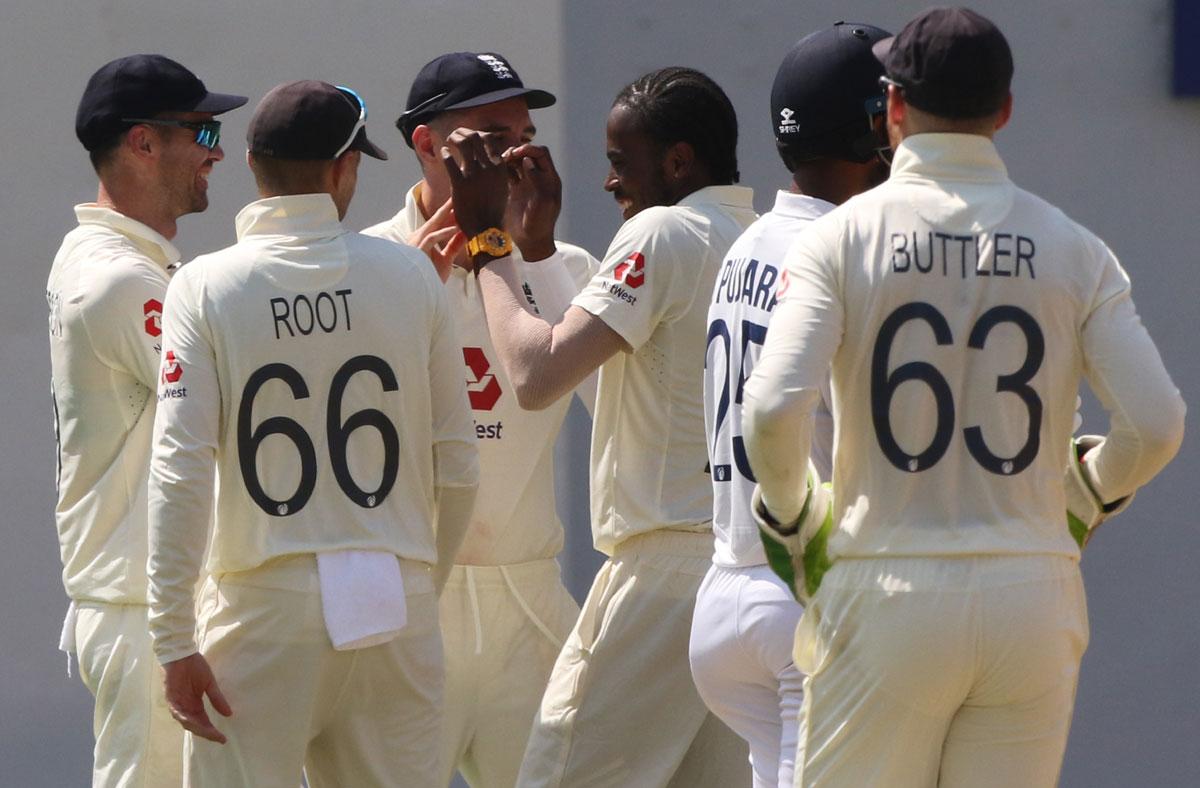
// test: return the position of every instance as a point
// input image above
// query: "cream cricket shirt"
(515, 520)
(105, 294)
(959, 312)
(738, 315)
(648, 445)
(321, 370)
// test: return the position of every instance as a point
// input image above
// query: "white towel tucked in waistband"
(362, 597)
(66, 638)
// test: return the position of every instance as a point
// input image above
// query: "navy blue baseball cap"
(459, 80)
(951, 62)
(310, 120)
(141, 86)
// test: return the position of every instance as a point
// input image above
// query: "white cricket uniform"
(745, 620)
(319, 371)
(504, 611)
(959, 313)
(621, 708)
(105, 294)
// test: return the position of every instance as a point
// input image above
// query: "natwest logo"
(172, 370)
(632, 271)
(153, 312)
(482, 387)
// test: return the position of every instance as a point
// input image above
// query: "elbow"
(531, 397)
(1161, 428)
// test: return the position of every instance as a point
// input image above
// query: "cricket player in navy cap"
(150, 128)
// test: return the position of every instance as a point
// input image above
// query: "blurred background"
(1103, 127)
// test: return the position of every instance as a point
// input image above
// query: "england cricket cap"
(310, 120)
(825, 91)
(141, 86)
(951, 62)
(459, 80)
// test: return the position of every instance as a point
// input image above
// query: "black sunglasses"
(208, 132)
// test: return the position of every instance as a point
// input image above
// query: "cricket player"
(620, 708)
(149, 126)
(827, 114)
(959, 313)
(316, 370)
(504, 611)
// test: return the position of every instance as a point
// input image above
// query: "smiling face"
(185, 165)
(637, 176)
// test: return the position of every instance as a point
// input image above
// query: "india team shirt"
(738, 315)
(515, 520)
(959, 312)
(105, 293)
(321, 369)
(648, 445)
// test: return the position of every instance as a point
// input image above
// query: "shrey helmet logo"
(632, 271)
(172, 370)
(483, 389)
(153, 311)
(787, 123)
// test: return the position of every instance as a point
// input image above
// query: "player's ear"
(897, 109)
(426, 146)
(678, 161)
(1005, 113)
(141, 141)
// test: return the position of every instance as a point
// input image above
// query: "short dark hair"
(106, 148)
(288, 176)
(678, 104)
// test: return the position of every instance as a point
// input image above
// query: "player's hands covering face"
(534, 200)
(479, 180)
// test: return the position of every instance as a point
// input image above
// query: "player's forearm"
(179, 517)
(777, 428)
(533, 358)
(553, 288)
(781, 396)
(454, 508)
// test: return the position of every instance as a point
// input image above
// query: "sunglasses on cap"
(362, 119)
(208, 132)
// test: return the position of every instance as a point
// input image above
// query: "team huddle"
(306, 482)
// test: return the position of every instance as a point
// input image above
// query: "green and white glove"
(797, 551)
(1085, 510)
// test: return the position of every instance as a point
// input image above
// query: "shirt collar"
(949, 157)
(295, 215)
(800, 206)
(152, 243)
(729, 195)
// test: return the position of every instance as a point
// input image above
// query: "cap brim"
(216, 103)
(361, 143)
(536, 99)
(881, 48)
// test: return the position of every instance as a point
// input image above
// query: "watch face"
(492, 241)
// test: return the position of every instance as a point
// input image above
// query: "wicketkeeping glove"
(796, 551)
(1085, 510)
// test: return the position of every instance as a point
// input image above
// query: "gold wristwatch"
(493, 242)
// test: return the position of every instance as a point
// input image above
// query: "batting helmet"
(826, 94)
